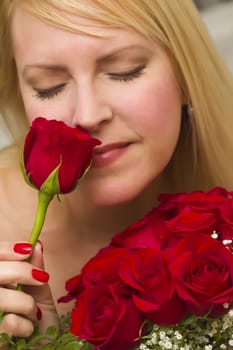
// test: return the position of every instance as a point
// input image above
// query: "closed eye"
(127, 76)
(48, 93)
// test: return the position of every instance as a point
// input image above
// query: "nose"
(92, 109)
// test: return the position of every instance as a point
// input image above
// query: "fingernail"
(39, 314)
(40, 275)
(22, 248)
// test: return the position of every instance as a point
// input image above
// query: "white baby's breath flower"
(162, 335)
(227, 241)
(214, 235)
(208, 347)
(199, 334)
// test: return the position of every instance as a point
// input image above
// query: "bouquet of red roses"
(166, 282)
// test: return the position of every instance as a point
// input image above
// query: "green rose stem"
(45, 194)
(43, 202)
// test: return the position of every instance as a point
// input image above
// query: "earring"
(190, 109)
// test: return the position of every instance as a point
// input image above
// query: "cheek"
(34, 110)
(49, 109)
(155, 108)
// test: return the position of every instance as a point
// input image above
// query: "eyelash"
(49, 93)
(127, 76)
(121, 77)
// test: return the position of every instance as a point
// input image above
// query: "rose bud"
(56, 156)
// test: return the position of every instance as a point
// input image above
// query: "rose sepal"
(49, 188)
(25, 175)
(83, 175)
(51, 184)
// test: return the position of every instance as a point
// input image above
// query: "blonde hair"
(202, 157)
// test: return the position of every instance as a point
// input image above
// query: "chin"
(108, 199)
(116, 194)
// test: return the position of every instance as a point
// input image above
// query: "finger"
(16, 326)
(42, 294)
(12, 251)
(13, 301)
(21, 272)
(36, 258)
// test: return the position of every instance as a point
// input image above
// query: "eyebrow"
(114, 55)
(45, 66)
(108, 58)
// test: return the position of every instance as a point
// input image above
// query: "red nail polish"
(22, 248)
(39, 314)
(40, 275)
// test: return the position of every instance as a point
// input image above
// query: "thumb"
(47, 313)
(37, 259)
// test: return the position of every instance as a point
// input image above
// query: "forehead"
(62, 20)
(29, 30)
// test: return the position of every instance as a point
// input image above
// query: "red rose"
(73, 287)
(189, 222)
(51, 143)
(145, 233)
(207, 201)
(146, 272)
(102, 268)
(197, 213)
(106, 318)
(203, 269)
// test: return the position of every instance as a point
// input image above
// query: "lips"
(109, 153)
(110, 147)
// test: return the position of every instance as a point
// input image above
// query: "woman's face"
(119, 86)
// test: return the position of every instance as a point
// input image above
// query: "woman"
(145, 79)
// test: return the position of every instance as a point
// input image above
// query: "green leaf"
(50, 340)
(73, 346)
(1, 316)
(47, 347)
(4, 337)
(67, 337)
(35, 340)
(21, 344)
(52, 332)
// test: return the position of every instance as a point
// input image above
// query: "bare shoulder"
(17, 204)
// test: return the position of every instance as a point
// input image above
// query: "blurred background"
(218, 16)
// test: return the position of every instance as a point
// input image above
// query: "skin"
(121, 88)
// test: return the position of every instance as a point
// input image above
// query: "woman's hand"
(22, 310)
(46, 312)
